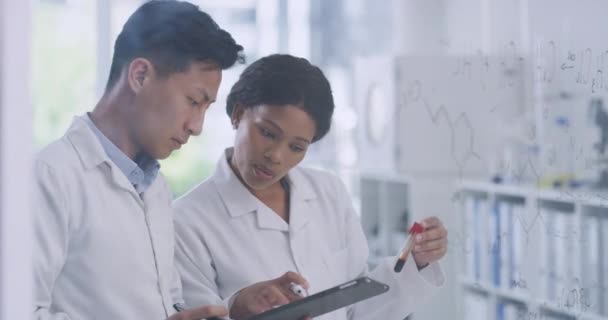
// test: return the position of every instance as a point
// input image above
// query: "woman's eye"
(267, 133)
(296, 148)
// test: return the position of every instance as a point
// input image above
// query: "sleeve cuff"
(433, 274)
(229, 301)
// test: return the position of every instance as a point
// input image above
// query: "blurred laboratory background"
(490, 114)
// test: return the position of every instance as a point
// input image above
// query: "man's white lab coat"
(100, 250)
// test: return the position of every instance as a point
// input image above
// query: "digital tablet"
(326, 301)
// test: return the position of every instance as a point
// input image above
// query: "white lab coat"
(227, 239)
(100, 250)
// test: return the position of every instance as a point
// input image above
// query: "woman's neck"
(275, 196)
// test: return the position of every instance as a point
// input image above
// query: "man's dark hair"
(279, 80)
(172, 35)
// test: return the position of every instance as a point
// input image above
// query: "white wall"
(419, 26)
(15, 157)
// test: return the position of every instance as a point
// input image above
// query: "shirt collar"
(141, 173)
(240, 201)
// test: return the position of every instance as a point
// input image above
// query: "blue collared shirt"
(141, 172)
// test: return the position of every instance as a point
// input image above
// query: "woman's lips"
(262, 172)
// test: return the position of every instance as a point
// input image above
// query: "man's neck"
(111, 121)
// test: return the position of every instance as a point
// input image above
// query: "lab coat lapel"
(268, 219)
(302, 194)
(235, 196)
(239, 200)
(93, 155)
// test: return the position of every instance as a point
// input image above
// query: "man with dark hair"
(104, 239)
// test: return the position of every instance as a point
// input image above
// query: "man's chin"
(162, 155)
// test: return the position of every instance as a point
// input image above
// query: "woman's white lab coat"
(227, 239)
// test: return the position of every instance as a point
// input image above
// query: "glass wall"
(465, 109)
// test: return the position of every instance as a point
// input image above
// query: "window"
(63, 65)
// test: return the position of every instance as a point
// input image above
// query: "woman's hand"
(263, 296)
(432, 244)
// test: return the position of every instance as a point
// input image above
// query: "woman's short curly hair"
(280, 80)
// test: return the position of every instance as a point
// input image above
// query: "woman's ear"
(237, 115)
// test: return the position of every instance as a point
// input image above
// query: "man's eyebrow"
(205, 94)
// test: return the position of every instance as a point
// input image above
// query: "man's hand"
(200, 313)
(432, 244)
(263, 296)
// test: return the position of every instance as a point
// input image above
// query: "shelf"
(482, 287)
(551, 307)
(564, 212)
(592, 316)
(509, 294)
(525, 299)
(598, 200)
(560, 205)
(512, 191)
(584, 197)
(571, 197)
(489, 289)
(486, 187)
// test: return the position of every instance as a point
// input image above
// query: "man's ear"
(139, 73)
(237, 115)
